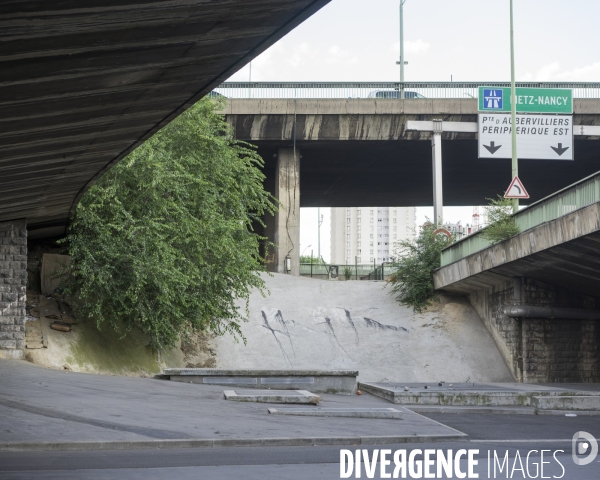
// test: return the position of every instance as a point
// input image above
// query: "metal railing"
(579, 195)
(380, 271)
(384, 90)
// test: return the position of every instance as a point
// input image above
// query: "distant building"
(459, 231)
(369, 233)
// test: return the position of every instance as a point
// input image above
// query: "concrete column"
(13, 285)
(287, 220)
(436, 156)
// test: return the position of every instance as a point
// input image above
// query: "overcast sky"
(354, 40)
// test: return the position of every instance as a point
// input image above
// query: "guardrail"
(579, 195)
(380, 271)
(385, 90)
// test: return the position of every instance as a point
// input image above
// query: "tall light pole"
(401, 61)
(249, 78)
(320, 221)
(513, 107)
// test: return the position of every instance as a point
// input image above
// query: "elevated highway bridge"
(356, 149)
(349, 145)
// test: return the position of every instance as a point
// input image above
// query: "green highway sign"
(529, 100)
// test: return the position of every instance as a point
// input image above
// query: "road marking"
(545, 440)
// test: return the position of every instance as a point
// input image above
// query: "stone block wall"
(560, 350)
(542, 350)
(13, 285)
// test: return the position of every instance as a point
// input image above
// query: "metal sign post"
(513, 107)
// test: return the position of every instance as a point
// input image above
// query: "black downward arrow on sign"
(492, 147)
(560, 150)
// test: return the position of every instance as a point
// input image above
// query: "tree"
(501, 224)
(412, 277)
(164, 241)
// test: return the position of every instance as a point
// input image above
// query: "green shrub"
(164, 241)
(308, 259)
(501, 222)
(347, 273)
(412, 277)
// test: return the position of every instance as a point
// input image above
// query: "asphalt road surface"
(518, 435)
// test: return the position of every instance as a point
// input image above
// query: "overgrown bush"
(347, 273)
(308, 259)
(164, 240)
(501, 222)
(412, 277)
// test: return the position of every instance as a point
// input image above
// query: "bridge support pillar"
(436, 157)
(13, 284)
(287, 219)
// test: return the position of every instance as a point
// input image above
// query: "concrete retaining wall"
(13, 284)
(310, 324)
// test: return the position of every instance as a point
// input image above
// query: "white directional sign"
(516, 189)
(541, 137)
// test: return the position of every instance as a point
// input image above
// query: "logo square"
(492, 99)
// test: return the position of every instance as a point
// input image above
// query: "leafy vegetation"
(501, 222)
(165, 240)
(412, 277)
(308, 259)
(347, 273)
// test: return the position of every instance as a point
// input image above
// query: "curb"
(464, 410)
(583, 413)
(233, 442)
(498, 411)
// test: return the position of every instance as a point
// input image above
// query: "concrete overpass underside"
(82, 83)
(356, 173)
(357, 152)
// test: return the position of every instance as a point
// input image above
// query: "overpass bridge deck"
(565, 201)
(559, 245)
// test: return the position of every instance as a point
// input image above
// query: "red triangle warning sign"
(516, 189)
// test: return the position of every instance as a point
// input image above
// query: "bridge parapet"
(564, 202)
(385, 90)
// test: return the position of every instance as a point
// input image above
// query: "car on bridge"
(394, 94)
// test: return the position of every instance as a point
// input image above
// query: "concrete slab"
(391, 413)
(318, 381)
(62, 410)
(272, 396)
(463, 394)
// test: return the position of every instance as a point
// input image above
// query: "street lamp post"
(513, 107)
(401, 61)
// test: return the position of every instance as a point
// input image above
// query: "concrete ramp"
(356, 325)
